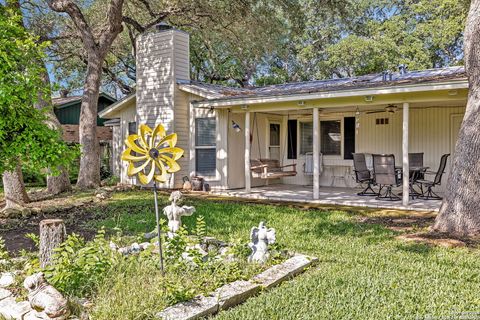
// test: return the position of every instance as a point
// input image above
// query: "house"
(222, 128)
(67, 110)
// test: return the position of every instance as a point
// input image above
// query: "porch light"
(236, 127)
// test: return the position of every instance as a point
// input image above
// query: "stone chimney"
(162, 58)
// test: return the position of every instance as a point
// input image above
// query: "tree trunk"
(61, 182)
(460, 210)
(15, 194)
(89, 174)
(52, 234)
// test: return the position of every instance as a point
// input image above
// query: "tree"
(24, 139)
(460, 210)
(96, 44)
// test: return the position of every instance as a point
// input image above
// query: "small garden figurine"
(261, 237)
(175, 213)
(152, 155)
(46, 301)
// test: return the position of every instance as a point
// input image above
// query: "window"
(330, 137)
(205, 146)
(274, 147)
(132, 128)
(306, 137)
(292, 139)
(348, 137)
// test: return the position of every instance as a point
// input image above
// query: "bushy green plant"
(175, 246)
(78, 265)
(35, 238)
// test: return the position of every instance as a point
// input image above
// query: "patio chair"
(386, 176)
(429, 194)
(416, 160)
(363, 175)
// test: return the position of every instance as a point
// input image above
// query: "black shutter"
(348, 137)
(292, 139)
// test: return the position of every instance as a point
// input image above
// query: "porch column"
(316, 155)
(405, 166)
(248, 185)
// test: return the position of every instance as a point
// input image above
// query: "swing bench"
(267, 169)
(271, 169)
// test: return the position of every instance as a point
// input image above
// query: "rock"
(103, 196)
(145, 245)
(150, 235)
(10, 309)
(190, 310)
(113, 246)
(235, 293)
(47, 301)
(4, 293)
(6, 279)
(135, 248)
(284, 271)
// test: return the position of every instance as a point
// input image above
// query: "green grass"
(363, 273)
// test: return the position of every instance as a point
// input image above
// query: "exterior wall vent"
(381, 121)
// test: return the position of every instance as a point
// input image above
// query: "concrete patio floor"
(328, 196)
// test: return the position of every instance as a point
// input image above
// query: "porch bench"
(271, 169)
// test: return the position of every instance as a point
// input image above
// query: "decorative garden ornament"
(175, 213)
(261, 237)
(152, 155)
(46, 301)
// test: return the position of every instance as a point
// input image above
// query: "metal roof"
(214, 92)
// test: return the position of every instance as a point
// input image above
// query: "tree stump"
(52, 234)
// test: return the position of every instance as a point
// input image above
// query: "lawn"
(364, 271)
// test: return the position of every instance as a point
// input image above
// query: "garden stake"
(152, 155)
(158, 229)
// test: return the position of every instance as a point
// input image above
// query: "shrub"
(78, 266)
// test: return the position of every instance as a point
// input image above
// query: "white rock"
(4, 294)
(10, 309)
(235, 293)
(145, 245)
(190, 310)
(135, 248)
(6, 279)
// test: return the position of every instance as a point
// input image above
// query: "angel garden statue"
(261, 237)
(175, 213)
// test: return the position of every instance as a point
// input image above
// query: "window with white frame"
(274, 142)
(205, 146)
(306, 137)
(331, 137)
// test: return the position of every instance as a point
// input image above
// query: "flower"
(152, 154)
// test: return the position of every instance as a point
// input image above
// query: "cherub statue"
(175, 213)
(44, 299)
(260, 237)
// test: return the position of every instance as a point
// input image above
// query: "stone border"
(237, 292)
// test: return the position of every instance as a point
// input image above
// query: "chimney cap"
(163, 26)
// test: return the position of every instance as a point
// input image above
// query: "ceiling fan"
(391, 108)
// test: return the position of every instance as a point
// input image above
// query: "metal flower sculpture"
(152, 155)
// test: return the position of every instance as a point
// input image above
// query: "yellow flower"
(152, 154)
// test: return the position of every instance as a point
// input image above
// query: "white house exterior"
(331, 117)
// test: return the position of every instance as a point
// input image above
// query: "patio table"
(414, 174)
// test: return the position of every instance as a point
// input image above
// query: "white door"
(274, 141)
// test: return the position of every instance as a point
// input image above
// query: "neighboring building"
(286, 122)
(67, 110)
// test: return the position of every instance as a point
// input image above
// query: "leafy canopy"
(23, 134)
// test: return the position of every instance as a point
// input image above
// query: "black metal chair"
(386, 176)
(415, 160)
(429, 194)
(363, 175)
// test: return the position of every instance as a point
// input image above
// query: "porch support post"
(405, 164)
(316, 155)
(248, 185)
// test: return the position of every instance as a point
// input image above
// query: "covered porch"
(327, 196)
(314, 128)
